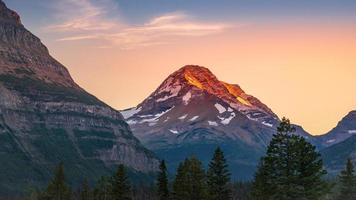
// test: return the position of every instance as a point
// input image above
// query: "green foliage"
(291, 169)
(180, 188)
(347, 182)
(190, 181)
(261, 189)
(85, 192)
(218, 177)
(102, 190)
(241, 190)
(35, 195)
(57, 188)
(162, 182)
(121, 188)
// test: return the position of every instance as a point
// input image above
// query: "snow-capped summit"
(192, 112)
(192, 82)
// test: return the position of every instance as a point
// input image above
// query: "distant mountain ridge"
(45, 118)
(343, 130)
(339, 144)
(192, 112)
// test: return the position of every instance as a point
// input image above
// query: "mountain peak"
(194, 68)
(24, 56)
(8, 15)
(201, 78)
(198, 76)
(198, 86)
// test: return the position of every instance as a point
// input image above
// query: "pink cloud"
(90, 22)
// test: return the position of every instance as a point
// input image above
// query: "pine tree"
(218, 177)
(85, 192)
(57, 188)
(180, 186)
(309, 167)
(260, 188)
(197, 179)
(291, 169)
(162, 182)
(102, 190)
(35, 195)
(121, 188)
(190, 181)
(348, 182)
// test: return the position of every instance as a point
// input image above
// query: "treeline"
(292, 169)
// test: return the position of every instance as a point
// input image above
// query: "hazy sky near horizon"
(298, 57)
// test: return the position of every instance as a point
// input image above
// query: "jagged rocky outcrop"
(192, 112)
(46, 118)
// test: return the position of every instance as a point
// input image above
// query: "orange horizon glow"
(305, 72)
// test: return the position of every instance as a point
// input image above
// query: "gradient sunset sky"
(298, 57)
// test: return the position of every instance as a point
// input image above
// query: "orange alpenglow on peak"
(203, 79)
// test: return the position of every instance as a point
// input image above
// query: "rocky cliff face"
(192, 112)
(46, 118)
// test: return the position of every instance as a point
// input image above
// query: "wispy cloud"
(92, 22)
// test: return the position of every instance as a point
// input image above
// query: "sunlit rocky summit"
(46, 118)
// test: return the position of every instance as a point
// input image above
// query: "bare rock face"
(46, 118)
(192, 112)
(8, 15)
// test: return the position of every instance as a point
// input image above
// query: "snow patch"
(183, 117)
(186, 98)
(194, 118)
(226, 121)
(174, 92)
(130, 112)
(172, 89)
(213, 123)
(352, 131)
(173, 131)
(166, 120)
(152, 124)
(131, 122)
(167, 86)
(220, 108)
(156, 116)
(331, 141)
(144, 116)
(267, 124)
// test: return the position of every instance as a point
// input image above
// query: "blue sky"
(47, 18)
(138, 11)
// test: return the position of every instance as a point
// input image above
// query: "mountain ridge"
(344, 129)
(46, 118)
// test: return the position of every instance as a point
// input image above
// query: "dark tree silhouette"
(291, 169)
(162, 182)
(218, 177)
(121, 188)
(57, 188)
(347, 182)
